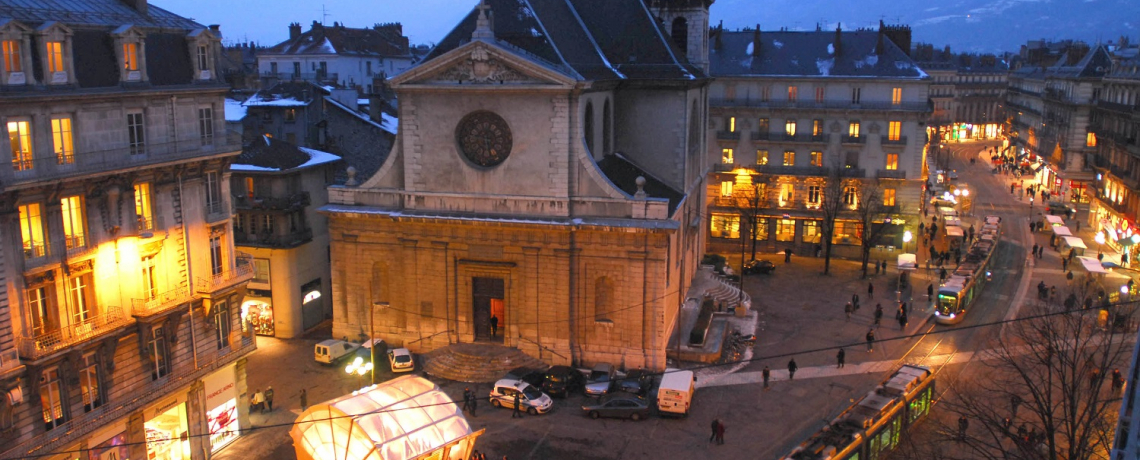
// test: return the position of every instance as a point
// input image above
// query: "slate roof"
(588, 39)
(1094, 64)
(271, 154)
(343, 41)
(1128, 68)
(104, 13)
(624, 176)
(809, 54)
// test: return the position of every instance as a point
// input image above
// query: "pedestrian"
(841, 357)
(1117, 381)
(467, 399)
(930, 291)
(870, 290)
(884, 264)
(876, 264)
(766, 373)
(878, 313)
(788, 255)
(257, 401)
(870, 340)
(1011, 187)
(268, 399)
(902, 320)
(848, 309)
(855, 301)
(304, 400)
(474, 404)
(818, 250)
(792, 369)
(1034, 250)
(715, 427)
(963, 424)
(518, 405)
(1014, 403)
(720, 433)
(942, 275)
(494, 325)
(1064, 265)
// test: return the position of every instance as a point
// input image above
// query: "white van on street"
(332, 350)
(675, 394)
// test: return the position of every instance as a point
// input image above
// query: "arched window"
(603, 299)
(680, 33)
(607, 129)
(588, 127)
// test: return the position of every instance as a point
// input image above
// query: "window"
(55, 57)
(130, 57)
(296, 69)
(726, 188)
(203, 58)
(261, 271)
(787, 194)
(51, 398)
(856, 95)
(12, 57)
(266, 223)
(1090, 140)
(793, 92)
(61, 140)
(603, 298)
(273, 68)
(149, 277)
(888, 197)
(32, 231)
(853, 129)
(89, 383)
(817, 127)
(761, 157)
(206, 125)
(368, 68)
(789, 158)
(894, 130)
(290, 115)
(136, 133)
(731, 124)
(217, 264)
(814, 196)
(213, 192)
(73, 222)
(790, 127)
(850, 196)
(158, 354)
(221, 313)
(765, 93)
(785, 230)
(892, 161)
(762, 126)
(20, 139)
(79, 293)
(846, 232)
(819, 94)
(812, 231)
(817, 159)
(761, 229)
(896, 96)
(726, 156)
(725, 226)
(38, 304)
(144, 209)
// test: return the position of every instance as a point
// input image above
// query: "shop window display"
(166, 435)
(259, 316)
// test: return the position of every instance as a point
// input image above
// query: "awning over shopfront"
(1092, 265)
(405, 418)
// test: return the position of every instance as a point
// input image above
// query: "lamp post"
(907, 236)
(1099, 238)
(372, 334)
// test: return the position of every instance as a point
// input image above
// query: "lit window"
(1090, 140)
(62, 141)
(20, 139)
(32, 231)
(762, 126)
(38, 305)
(812, 231)
(726, 156)
(817, 127)
(144, 210)
(130, 57)
(73, 222)
(793, 92)
(892, 161)
(158, 354)
(789, 158)
(79, 291)
(850, 197)
(785, 230)
(725, 226)
(206, 125)
(51, 398)
(894, 130)
(787, 194)
(732, 124)
(12, 58)
(896, 96)
(290, 115)
(55, 57)
(150, 278)
(89, 383)
(761, 157)
(726, 188)
(846, 232)
(888, 197)
(817, 159)
(136, 133)
(814, 196)
(853, 129)
(819, 94)
(790, 127)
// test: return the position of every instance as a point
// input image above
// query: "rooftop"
(859, 54)
(103, 13)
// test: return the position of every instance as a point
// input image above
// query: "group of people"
(262, 401)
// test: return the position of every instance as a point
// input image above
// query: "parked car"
(532, 400)
(401, 360)
(762, 267)
(562, 380)
(332, 350)
(1060, 208)
(600, 379)
(532, 376)
(636, 381)
(619, 406)
(953, 174)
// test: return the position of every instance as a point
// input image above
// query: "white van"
(329, 351)
(675, 394)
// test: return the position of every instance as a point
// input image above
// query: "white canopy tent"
(908, 261)
(1054, 221)
(1062, 231)
(401, 419)
(1092, 265)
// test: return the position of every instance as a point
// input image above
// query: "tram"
(963, 287)
(872, 427)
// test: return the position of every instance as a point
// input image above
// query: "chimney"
(294, 31)
(756, 42)
(138, 5)
(838, 38)
(216, 29)
(717, 44)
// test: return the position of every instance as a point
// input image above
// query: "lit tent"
(402, 419)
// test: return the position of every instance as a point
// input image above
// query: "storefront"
(221, 407)
(109, 443)
(257, 312)
(167, 435)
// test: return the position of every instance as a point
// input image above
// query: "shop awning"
(1062, 231)
(405, 418)
(1092, 265)
(1075, 242)
(1055, 221)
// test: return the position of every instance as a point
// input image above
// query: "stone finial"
(351, 182)
(640, 181)
(484, 28)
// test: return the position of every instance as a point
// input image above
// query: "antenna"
(324, 14)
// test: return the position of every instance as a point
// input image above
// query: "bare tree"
(1047, 388)
(870, 209)
(831, 205)
(750, 201)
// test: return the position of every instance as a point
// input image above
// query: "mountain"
(965, 25)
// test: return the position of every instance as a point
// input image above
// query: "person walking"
(788, 255)
(878, 313)
(930, 291)
(518, 405)
(494, 325)
(884, 264)
(720, 433)
(870, 340)
(258, 401)
(467, 399)
(792, 369)
(715, 427)
(268, 399)
(767, 373)
(963, 424)
(848, 310)
(870, 291)
(1117, 381)
(902, 320)
(304, 400)
(841, 358)
(855, 301)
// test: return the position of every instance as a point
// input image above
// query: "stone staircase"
(725, 291)
(476, 363)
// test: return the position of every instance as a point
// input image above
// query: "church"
(545, 190)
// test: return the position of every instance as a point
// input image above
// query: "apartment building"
(1115, 121)
(119, 325)
(968, 93)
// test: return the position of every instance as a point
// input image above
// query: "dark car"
(562, 380)
(1058, 208)
(763, 267)
(532, 376)
(619, 406)
(636, 381)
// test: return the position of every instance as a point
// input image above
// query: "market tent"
(947, 211)
(954, 231)
(1092, 265)
(1062, 231)
(1075, 242)
(952, 221)
(1054, 221)
(908, 261)
(400, 419)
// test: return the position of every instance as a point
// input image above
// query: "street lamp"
(1099, 238)
(907, 236)
(379, 304)
(359, 368)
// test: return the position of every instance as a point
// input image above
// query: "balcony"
(266, 240)
(161, 303)
(1058, 96)
(891, 174)
(900, 141)
(36, 254)
(1115, 107)
(760, 136)
(216, 212)
(780, 170)
(303, 76)
(45, 168)
(241, 272)
(292, 202)
(728, 135)
(854, 139)
(1014, 89)
(38, 346)
(838, 104)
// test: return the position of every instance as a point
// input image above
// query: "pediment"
(127, 31)
(483, 63)
(53, 29)
(9, 26)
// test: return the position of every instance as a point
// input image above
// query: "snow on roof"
(327, 47)
(317, 157)
(259, 101)
(390, 129)
(235, 111)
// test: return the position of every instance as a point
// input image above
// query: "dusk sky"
(975, 25)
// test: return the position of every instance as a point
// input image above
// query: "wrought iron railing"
(161, 302)
(891, 174)
(900, 141)
(854, 139)
(293, 201)
(728, 135)
(36, 346)
(242, 271)
(289, 240)
(216, 211)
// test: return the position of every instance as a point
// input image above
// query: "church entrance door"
(487, 296)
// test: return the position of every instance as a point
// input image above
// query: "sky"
(965, 25)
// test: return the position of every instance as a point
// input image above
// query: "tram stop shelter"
(401, 419)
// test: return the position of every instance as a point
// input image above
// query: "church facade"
(545, 191)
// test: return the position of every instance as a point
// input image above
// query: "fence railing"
(242, 271)
(36, 346)
(854, 139)
(900, 141)
(292, 201)
(275, 241)
(891, 174)
(162, 302)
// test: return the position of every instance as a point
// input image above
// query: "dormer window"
(55, 44)
(203, 58)
(132, 54)
(12, 58)
(55, 58)
(130, 57)
(15, 54)
(202, 45)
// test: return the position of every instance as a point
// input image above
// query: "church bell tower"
(687, 22)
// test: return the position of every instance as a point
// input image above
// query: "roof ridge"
(593, 41)
(546, 34)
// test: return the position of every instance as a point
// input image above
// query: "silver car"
(600, 380)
